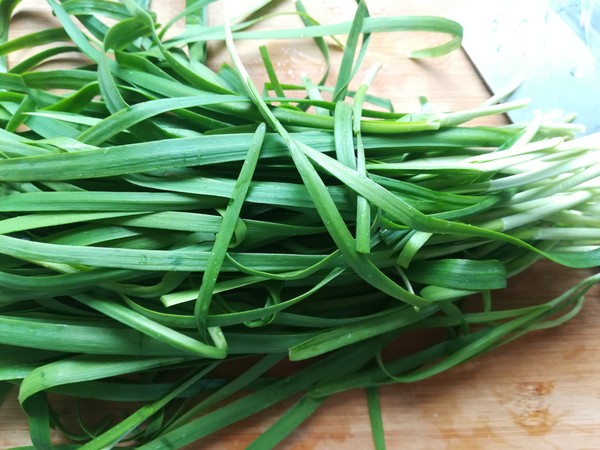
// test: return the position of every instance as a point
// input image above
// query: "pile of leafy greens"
(159, 219)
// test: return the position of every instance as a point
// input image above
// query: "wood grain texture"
(540, 392)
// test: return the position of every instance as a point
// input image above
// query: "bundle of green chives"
(161, 219)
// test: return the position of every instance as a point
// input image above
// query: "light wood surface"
(541, 392)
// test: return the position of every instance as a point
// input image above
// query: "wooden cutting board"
(540, 392)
